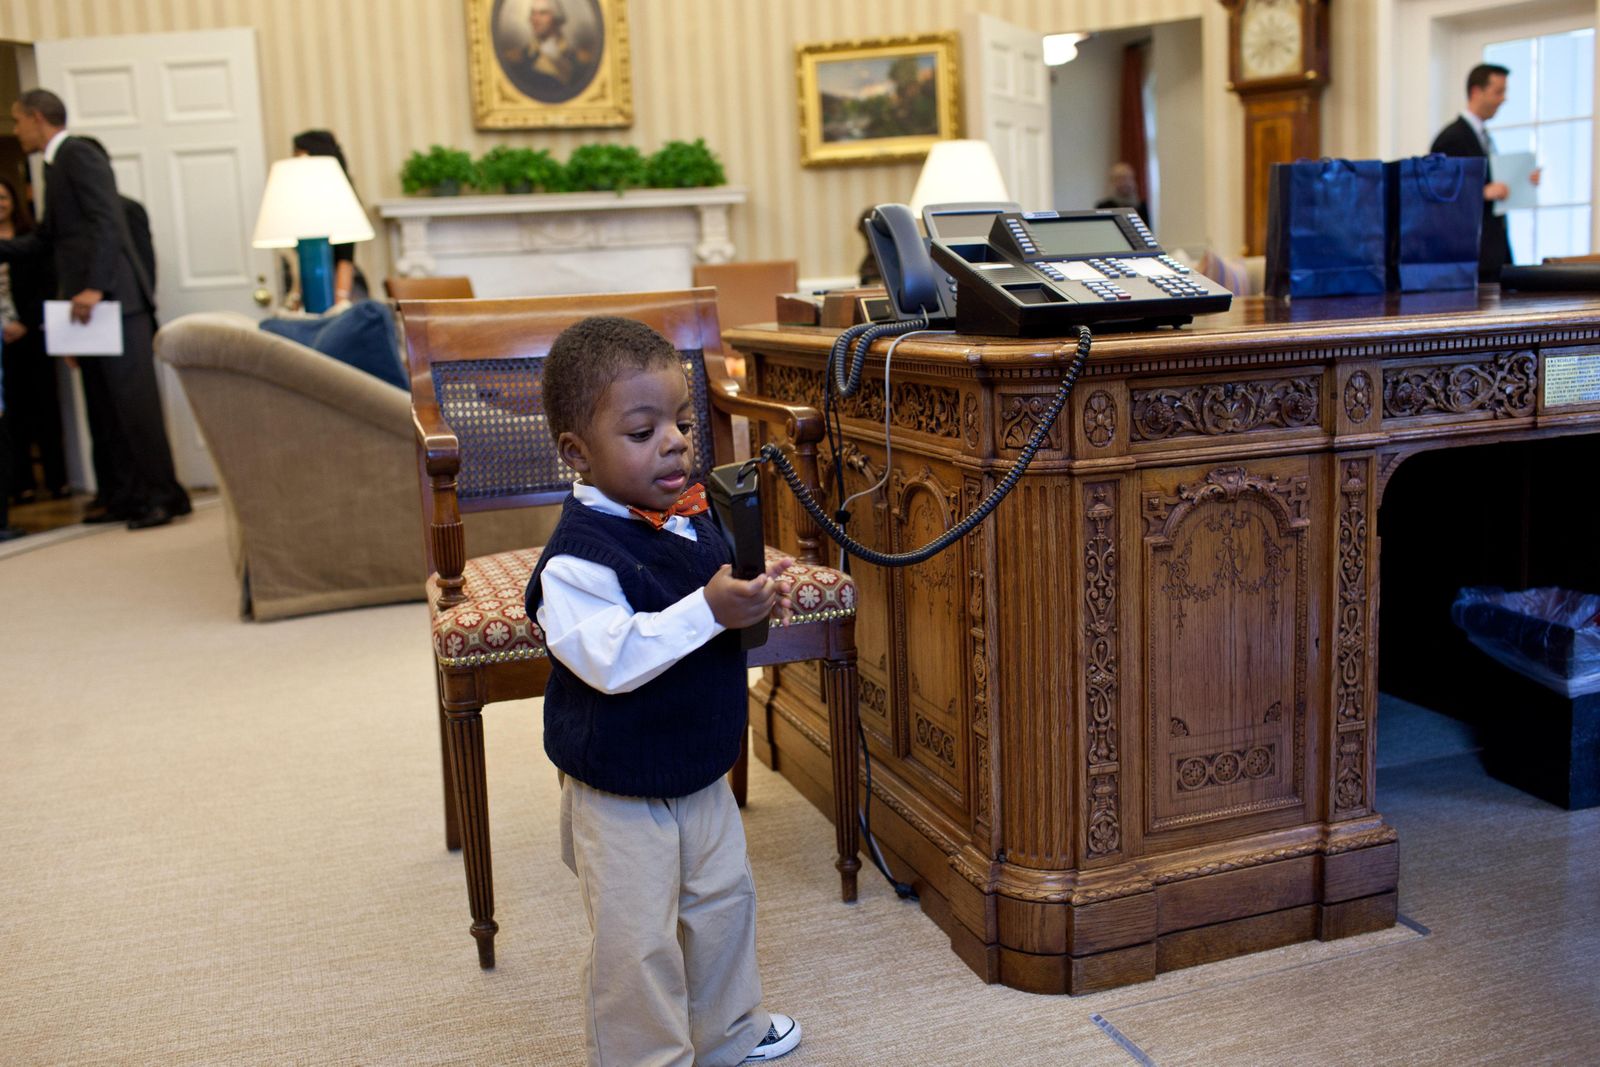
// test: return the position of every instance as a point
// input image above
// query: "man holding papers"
(84, 233)
(1467, 136)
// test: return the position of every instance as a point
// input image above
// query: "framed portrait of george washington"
(542, 63)
(877, 101)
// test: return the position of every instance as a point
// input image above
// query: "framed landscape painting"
(878, 100)
(540, 63)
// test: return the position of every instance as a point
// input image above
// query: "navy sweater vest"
(679, 732)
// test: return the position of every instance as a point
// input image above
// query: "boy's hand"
(737, 604)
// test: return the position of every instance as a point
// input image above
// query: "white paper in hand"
(100, 336)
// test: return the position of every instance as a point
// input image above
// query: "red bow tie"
(692, 502)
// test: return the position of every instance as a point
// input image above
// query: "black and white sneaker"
(782, 1038)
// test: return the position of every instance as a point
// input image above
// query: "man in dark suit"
(85, 233)
(1467, 136)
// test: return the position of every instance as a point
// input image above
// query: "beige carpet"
(223, 844)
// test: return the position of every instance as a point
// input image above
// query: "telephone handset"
(908, 272)
(917, 285)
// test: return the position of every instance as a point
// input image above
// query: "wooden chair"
(483, 445)
(747, 292)
(453, 287)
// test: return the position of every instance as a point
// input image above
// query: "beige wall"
(391, 77)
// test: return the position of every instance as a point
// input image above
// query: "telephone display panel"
(960, 225)
(1079, 237)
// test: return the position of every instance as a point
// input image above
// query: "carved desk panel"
(1128, 724)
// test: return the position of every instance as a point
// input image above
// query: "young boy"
(645, 709)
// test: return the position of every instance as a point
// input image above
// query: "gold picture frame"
(877, 100)
(536, 64)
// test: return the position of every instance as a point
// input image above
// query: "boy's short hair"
(588, 356)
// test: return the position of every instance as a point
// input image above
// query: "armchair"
(482, 445)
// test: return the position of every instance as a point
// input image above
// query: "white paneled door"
(1007, 103)
(180, 114)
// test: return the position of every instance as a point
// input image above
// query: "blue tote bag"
(1325, 228)
(1435, 212)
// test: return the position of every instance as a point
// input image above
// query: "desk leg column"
(1361, 869)
(840, 690)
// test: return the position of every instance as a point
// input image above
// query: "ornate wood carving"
(1099, 419)
(1020, 415)
(1232, 549)
(1351, 695)
(936, 741)
(1225, 768)
(971, 417)
(874, 701)
(1358, 396)
(978, 645)
(1163, 514)
(1502, 386)
(1218, 408)
(917, 406)
(930, 695)
(1101, 668)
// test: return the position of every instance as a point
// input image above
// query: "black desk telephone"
(995, 269)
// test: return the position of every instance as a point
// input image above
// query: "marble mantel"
(540, 244)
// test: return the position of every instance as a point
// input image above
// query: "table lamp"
(959, 172)
(309, 205)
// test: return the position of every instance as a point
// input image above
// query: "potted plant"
(606, 166)
(682, 165)
(441, 172)
(519, 170)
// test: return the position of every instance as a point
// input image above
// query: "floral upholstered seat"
(492, 625)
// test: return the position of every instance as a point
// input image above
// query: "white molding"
(563, 242)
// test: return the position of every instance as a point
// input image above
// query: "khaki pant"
(671, 975)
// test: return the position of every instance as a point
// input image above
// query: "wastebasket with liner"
(1542, 732)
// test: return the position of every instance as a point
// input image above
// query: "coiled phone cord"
(772, 453)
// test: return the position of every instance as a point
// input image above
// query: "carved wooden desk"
(1127, 725)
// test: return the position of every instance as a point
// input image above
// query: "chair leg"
(452, 821)
(739, 774)
(839, 687)
(464, 739)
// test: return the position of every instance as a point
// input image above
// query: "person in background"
(84, 234)
(30, 377)
(645, 709)
(100, 435)
(8, 532)
(349, 284)
(1123, 184)
(1468, 137)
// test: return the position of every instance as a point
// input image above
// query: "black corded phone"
(917, 286)
(992, 268)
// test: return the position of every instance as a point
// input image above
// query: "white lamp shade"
(958, 172)
(309, 196)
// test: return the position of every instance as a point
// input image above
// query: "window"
(1549, 112)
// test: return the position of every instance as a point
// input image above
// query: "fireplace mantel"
(550, 243)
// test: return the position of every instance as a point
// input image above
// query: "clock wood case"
(1278, 64)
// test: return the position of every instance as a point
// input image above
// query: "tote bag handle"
(1426, 185)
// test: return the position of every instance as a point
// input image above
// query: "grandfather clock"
(1278, 64)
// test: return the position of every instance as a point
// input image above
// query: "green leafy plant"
(606, 166)
(519, 170)
(441, 171)
(681, 165)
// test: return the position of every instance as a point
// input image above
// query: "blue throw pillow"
(362, 337)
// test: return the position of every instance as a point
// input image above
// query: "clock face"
(1269, 39)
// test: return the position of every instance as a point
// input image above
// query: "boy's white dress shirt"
(591, 628)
